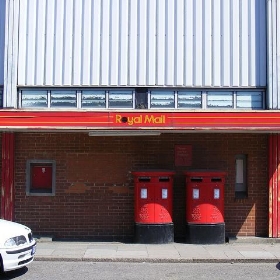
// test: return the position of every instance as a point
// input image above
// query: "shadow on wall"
(251, 221)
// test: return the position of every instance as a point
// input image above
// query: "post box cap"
(205, 173)
(153, 172)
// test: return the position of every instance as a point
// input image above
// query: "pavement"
(241, 250)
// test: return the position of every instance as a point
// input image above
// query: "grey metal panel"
(11, 54)
(2, 39)
(190, 43)
(273, 92)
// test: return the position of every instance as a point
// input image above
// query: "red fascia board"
(260, 120)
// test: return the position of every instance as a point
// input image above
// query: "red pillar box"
(153, 206)
(205, 207)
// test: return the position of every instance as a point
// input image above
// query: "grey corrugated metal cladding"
(190, 43)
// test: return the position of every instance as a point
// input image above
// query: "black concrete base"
(205, 234)
(154, 233)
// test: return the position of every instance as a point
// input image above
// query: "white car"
(17, 245)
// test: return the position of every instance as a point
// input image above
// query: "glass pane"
(253, 100)
(240, 174)
(162, 99)
(94, 99)
(239, 171)
(63, 99)
(120, 99)
(1, 98)
(223, 99)
(188, 99)
(34, 99)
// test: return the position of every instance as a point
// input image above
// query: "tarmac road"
(57, 270)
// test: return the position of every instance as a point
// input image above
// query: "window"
(40, 177)
(222, 99)
(47, 99)
(241, 190)
(162, 99)
(63, 99)
(120, 99)
(34, 98)
(1, 98)
(93, 99)
(189, 99)
(249, 100)
(140, 98)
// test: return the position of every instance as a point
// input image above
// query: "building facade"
(94, 90)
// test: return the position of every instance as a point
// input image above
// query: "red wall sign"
(183, 155)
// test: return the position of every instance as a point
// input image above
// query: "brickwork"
(94, 187)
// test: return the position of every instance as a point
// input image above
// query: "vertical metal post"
(7, 188)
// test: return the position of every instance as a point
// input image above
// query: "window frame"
(142, 98)
(39, 162)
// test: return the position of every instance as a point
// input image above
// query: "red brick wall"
(94, 187)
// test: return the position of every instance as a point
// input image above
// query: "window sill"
(39, 194)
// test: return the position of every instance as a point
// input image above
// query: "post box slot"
(196, 179)
(216, 179)
(163, 179)
(144, 179)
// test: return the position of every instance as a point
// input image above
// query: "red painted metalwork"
(205, 197)
(153, 197)
(274, 189)
(7, 188)
(198, 120)
(41, 177)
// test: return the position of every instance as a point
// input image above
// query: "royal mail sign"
(141, 119)
(125, 120)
